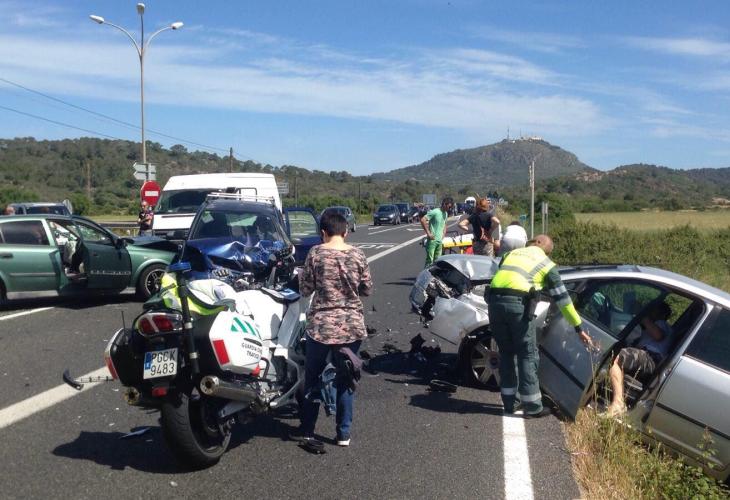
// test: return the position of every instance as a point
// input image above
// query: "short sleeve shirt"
(436, 222)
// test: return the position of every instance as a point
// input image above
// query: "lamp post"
(141, 48)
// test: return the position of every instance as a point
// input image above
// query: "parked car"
(404, 210)
(690, 391)
(347, 214)
(222, 219)
(386, 214)
(64, 255)
(32, 208)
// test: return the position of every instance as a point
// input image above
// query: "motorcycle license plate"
(160, 363)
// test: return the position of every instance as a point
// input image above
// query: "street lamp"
(141, 48)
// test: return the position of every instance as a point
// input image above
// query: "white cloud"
(534, 41)
(697, 47)
(462, 89)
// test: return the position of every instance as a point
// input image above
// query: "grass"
(704, 221)
(610, 462)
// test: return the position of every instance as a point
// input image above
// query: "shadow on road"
(148, 452)
(447, 403)
(75, 303)
(403, 282)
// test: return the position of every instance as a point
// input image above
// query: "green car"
(64, 255)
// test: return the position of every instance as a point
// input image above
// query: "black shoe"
(515, 409)
(542, 413)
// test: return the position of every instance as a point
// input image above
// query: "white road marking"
(386, 230)
(24, 313)
(517, 475)
(27, 407)
(375, 257)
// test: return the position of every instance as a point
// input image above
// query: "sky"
(369, 86)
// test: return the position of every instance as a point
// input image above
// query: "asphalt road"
(407, 442)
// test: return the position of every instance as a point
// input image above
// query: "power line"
(111, 118)
(62, 124)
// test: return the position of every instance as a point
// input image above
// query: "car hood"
(474, 267)
(153, 243)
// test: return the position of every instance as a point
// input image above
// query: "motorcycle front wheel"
(191, 430)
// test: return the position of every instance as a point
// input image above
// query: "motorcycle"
(212, 351)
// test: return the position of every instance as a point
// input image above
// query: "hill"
(497, 165)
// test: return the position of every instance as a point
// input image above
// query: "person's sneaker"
(343, 442)
(542, 413)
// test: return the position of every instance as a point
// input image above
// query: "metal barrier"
(122, 228)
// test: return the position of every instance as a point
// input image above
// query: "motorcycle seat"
(284, 296)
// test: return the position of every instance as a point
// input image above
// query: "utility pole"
(296, 192)
(359, 202)
(230, 160)
(532, 199)
(88, 179)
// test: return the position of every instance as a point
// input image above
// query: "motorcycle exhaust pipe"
(211, 385)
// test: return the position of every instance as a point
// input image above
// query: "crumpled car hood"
(474, 267)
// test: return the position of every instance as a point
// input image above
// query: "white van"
(183, 194)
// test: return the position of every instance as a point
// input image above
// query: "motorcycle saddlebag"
(127, 360)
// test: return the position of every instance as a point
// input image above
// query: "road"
(407, 442)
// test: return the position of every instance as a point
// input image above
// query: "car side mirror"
(120, 243)
(179, 234)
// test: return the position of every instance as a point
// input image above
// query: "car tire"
(3, 295)
(479, 360)
(354, 227)
(148, 283)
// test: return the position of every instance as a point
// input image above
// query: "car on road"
(689, 394)
(386, 214)
(404, 210)
(32, 208)
(65, 255)
(346, 212)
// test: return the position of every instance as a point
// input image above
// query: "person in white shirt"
(641, 361)
(514, 236)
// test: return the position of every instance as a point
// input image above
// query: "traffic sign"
(144, 171)
(150, 192)
(283, 188)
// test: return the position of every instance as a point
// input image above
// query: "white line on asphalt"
(517, 476)
(375, 257)
(386, 230)
(23, 313)
(27, 407)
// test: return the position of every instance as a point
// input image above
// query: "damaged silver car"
(687, 396)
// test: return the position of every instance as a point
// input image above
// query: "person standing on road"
(483, 222)
(337, 274)
(434, 223)
(511, 302)
(145, 220)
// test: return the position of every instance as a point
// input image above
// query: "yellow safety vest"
(523, 269)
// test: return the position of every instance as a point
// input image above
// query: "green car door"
(106, 260)
(28, 261)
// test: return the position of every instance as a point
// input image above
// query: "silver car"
(690, 390)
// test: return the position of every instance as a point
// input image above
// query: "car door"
(106, 262)
(609, 310)
(302, 227)
(28, 260)
(696, 396)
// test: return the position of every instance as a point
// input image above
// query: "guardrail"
(122, 228)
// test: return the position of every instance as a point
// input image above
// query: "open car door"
(610, 310)
(106, 263)
(302, 227)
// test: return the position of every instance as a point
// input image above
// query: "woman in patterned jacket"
(337, 274)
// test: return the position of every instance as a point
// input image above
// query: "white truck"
(183, 194)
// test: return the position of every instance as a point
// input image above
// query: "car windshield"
(181, 201)
(384, 209)
(339, 210)
(403, 207)
(247, 227)
(47, 209)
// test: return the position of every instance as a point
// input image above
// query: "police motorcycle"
(219, 344)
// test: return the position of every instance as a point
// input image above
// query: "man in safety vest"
(512, 299)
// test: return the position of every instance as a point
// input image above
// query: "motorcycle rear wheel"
(191, 431)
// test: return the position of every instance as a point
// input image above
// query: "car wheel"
(479, 359)
(149, 281)
(354, 227)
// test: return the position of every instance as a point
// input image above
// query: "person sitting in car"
(641, 361)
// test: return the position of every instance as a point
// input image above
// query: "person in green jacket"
(512, 295)
(434, 223)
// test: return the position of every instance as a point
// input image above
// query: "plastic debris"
(138, 432)
(442, 386)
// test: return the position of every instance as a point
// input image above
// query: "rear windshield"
(52, 209)
(181, 201)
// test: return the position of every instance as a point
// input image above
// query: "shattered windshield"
(247, 227)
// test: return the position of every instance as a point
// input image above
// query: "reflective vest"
(523, 269)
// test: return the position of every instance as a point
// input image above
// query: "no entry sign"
(150, 192)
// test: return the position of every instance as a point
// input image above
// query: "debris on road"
(372, 331)
(135, 433)
(390, 348)
(442, 386)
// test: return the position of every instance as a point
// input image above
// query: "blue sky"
(369, 86)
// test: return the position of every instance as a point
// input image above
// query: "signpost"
(429, 199)
(283, 188)
(150, 192)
